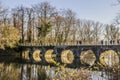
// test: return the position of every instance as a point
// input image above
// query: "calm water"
(13, 68)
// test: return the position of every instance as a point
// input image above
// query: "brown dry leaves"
(9, 36)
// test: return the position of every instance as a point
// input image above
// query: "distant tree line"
(45, 23)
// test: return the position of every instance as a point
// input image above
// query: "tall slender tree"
(18, 20)
(45, 13)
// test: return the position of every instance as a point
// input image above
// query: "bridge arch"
(50, 56)
(67, 56)
(109, 57)
(36, 55)
(87, 57)
(26, 54)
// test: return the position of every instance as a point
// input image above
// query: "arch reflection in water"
(109, 58)
(36, 55)
(50, 56)
(87, 57)
(25, 54)
(67, 57)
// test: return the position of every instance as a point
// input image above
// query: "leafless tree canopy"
(45, 23)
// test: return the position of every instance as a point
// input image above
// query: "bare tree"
(45, 13)
(58, 24)
(18, 20)
(69, 22)
(89, 31)
(97, 31)
(3, 14)
(85, 31)
(111, 32)
(64, 26)
(30, 24)
(80, 30)
(117, 20)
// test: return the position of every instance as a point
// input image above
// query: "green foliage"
(44, 30)
(9, 36)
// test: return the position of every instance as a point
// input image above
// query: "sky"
(103, 11)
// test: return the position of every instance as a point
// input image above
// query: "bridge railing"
(69, 43)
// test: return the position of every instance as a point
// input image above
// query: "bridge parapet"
(102, 42)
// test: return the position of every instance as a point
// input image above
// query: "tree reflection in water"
(15, 68)
(22, 72)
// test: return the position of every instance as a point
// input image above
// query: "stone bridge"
(73, 56)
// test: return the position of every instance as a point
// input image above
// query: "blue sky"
(97, 10)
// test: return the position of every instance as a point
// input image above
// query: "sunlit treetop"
(9, 36)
